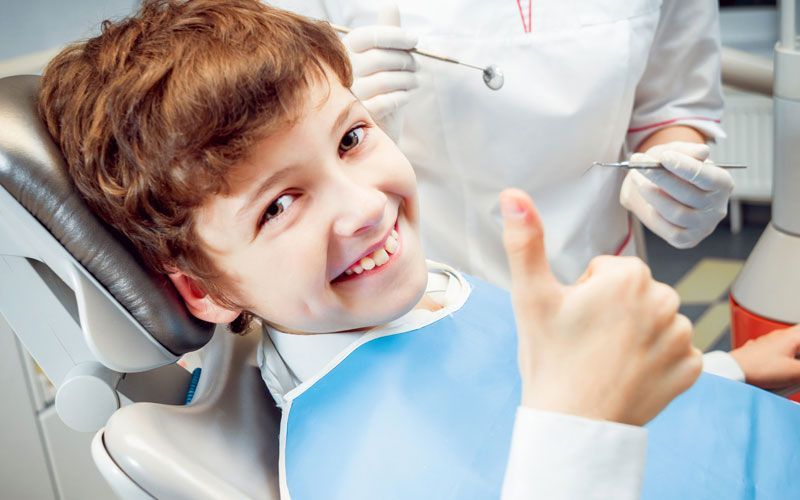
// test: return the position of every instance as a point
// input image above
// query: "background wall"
(32, 31)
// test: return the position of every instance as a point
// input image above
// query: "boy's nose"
(362, 210)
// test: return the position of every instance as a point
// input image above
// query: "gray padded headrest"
(32, 170)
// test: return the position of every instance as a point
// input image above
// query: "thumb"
(523, 239)
(389, 14)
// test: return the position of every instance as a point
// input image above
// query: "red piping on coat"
(627, 237)
(526, 24)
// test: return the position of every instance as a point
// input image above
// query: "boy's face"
(312, 201)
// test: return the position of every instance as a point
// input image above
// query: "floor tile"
(708, 281)
(711, 326)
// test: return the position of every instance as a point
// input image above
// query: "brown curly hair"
(152, 113)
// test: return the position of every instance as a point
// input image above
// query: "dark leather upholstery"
(32, 170)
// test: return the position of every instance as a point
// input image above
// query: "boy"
(221, 139)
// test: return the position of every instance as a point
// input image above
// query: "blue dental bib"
(428, 414)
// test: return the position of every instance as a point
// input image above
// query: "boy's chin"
(401, 300)
(406, 298)
(376, 310)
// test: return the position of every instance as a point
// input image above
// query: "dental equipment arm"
(763, 297)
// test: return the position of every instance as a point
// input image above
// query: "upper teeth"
(377, 258)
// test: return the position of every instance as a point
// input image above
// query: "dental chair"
(108, 333)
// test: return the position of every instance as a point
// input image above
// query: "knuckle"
(628, 264)
(671, 157)
(630, 276)
(381, 84)
(413, 65)
(681, 216)
(623, 271)
(690, 369)
(668, 301)
(599, 261)
(640, 272)
(403, 61)
(361, 88)
(720, 213)
(695, 363)
(358, 40)
(685, 330)
(360, 63)
(600, 266)
(680, 335)
(405, 80)
(657, 177)
(725, 180)
(378, 107)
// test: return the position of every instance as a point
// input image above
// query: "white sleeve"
(721, 363)
(557, 456)
(681, 82)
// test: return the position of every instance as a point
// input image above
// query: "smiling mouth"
(374, 260)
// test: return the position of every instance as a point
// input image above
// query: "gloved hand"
(682, 203)
(383, 70)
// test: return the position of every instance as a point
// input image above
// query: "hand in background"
(610, 347)
(770, 361)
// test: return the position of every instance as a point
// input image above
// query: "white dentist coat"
(585, 81)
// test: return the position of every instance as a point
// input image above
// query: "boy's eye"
(352, 138)
(277, 207)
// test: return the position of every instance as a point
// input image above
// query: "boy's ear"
(201, 304)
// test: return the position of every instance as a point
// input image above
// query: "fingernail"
(511, 208)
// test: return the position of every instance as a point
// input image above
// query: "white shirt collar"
(287, 360)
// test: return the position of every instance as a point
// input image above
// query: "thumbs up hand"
(611, 347)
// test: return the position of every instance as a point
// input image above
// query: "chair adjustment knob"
(87, 397)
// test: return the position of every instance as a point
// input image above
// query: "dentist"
(585, 81)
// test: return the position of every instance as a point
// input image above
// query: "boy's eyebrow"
(264, 187)
(337, 125)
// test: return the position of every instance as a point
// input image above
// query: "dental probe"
(646, 165)
(492, 75)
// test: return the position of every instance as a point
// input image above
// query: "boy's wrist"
(552, 398)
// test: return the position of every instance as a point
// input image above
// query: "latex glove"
(611, 347)
(682, 203)
(384, 72)
(770, 361)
